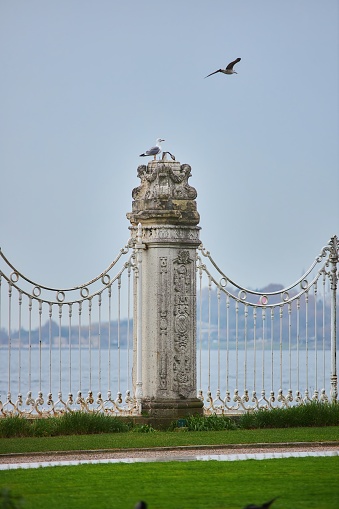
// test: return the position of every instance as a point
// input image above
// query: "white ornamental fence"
(71, 349)
(271, 348)
(61, 348)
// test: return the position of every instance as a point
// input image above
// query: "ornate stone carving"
(181, 370)
(182, 319)
(171, 181)
(163, 372)
(170, 233)
(164, 194)
(165, 206)
(163, 321)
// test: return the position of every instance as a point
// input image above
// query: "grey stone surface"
(164, 204)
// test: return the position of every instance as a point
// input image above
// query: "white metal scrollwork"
(51, 346)
(281, 341)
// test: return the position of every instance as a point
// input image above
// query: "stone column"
(164, 204)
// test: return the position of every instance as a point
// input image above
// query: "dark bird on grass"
(140, 505)
(228, 70)
(153, 151)
(265, 505)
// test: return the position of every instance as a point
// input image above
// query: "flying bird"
(228, 70)
(265, 505)
(154, 150)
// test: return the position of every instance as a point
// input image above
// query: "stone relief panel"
(181, 370)
(163, 321)
(158, 233)
(182, 313)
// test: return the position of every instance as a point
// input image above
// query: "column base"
(173, 408)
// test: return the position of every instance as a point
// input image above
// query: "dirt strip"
(167, 453)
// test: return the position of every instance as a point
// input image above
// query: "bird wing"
(219, 70)
(152, 151)
(231, 64)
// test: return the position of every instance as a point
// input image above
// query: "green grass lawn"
(299, 483)
(167, 439)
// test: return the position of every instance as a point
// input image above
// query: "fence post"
(164, 221)
(333, 259)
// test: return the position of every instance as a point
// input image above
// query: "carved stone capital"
(164, 195)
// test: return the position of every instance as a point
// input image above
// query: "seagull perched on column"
(154, 150)
(228, 70)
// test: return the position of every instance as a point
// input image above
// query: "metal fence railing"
(263, 349)
(67, 349)
(79, 349)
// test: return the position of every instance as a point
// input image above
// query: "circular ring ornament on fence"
(304, 284)
(84, 292)
(105, 279)
(223, 282)
(37, 291)
(242, 295)
(14, 277)
(263, 300)
(285, 296)
(60, 296)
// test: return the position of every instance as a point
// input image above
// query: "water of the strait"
(70, 371)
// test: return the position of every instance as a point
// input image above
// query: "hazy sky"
(86, 86)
